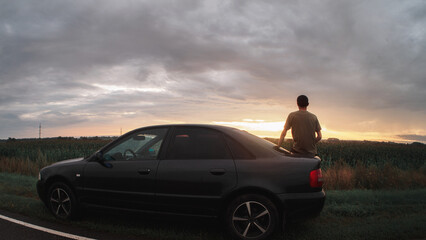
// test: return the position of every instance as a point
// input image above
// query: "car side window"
(198, 143)
(142, 145)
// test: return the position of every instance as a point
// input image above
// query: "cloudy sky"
(85, 68)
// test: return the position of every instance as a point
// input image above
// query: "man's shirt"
(303, 126)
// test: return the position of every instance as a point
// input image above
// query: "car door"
(196, 171)
(125, 177)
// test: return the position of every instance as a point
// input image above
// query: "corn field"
(51, 150)
(352, 153)
(365, 153)
(28, 156)
(346, 164)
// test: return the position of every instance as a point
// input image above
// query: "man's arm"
(319, 136)
(287, 126)
(283, 133)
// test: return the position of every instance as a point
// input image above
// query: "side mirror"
(99, 156)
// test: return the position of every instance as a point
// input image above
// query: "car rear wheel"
(62, 201)
(251, 216)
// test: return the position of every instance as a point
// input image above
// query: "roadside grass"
(18, 194)
(369, 214)
(23, 166)
(341, 176)
(348, 214)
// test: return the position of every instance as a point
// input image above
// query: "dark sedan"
(202, 170)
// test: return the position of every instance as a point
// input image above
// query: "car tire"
(251, 216)
(62, 201)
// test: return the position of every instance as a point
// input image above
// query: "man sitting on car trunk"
(303, 126)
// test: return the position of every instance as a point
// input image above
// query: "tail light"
(315, 178)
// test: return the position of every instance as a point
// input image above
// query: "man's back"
(303, 126)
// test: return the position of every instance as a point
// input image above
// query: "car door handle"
(145, 171)
(217, 171)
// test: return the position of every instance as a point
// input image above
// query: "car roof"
(213, 126)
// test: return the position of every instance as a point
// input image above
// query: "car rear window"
(258, 146)
(238, 151)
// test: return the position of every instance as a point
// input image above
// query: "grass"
(18, 194)
(341, 176)
(22, 165)
(348, 214)
(368, 214)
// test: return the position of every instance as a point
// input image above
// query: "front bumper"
(41, 191)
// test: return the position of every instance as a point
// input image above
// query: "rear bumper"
(299, 206)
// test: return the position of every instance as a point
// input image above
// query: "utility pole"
(39, 131)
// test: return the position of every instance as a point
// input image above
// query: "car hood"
(67, 161)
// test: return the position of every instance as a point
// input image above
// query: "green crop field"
(403, 156)
(51, 149)
(28, 156)
(353, 153)
(346, 164)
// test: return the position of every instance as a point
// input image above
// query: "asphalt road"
(11, 230)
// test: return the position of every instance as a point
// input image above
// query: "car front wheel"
(251, 216)
(62, 201)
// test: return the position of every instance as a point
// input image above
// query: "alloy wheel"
(60, 202)
(251, 219)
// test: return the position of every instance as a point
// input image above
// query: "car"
(190, 169)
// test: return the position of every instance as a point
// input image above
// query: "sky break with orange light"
(98, 68)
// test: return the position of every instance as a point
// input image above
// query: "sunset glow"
(255, 125)
(82, 69)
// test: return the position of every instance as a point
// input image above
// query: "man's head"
(302, 101)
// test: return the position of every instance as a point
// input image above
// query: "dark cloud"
(419, 138)
(64, 62)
